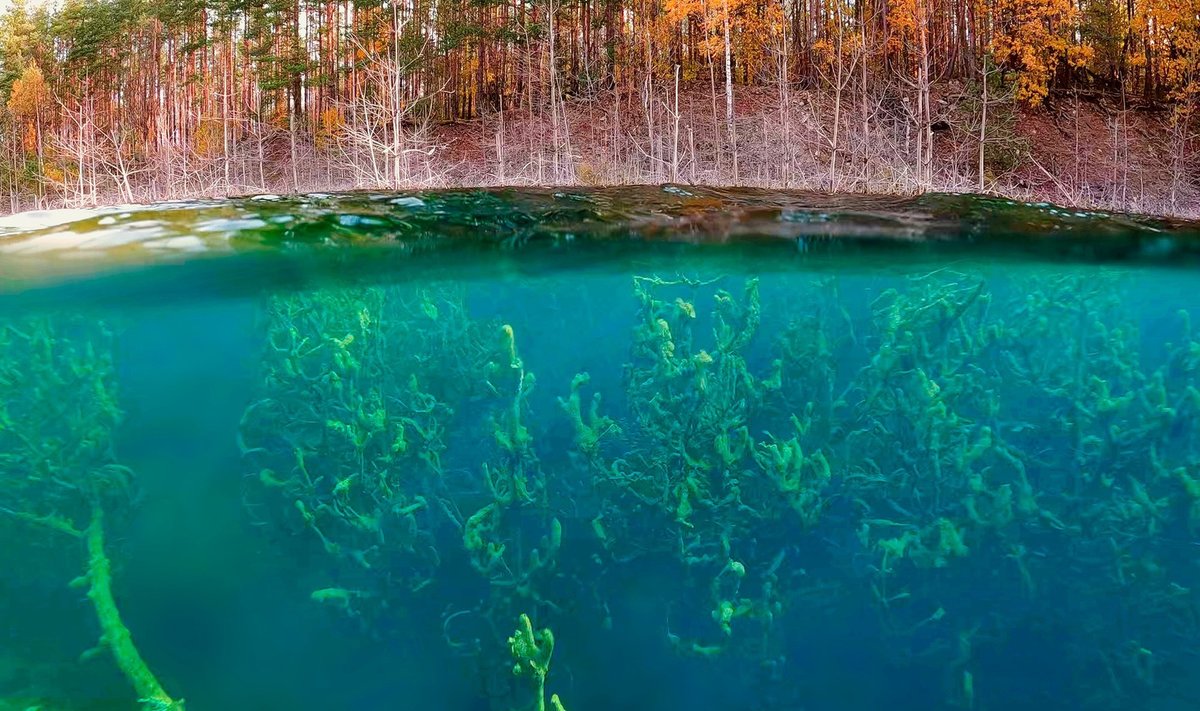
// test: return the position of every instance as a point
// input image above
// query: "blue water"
(827, 474)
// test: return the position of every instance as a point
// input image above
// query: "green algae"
(950, 452)
(58, 471)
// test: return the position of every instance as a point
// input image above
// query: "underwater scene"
(654, 449)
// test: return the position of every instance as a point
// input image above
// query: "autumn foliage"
(111, 86)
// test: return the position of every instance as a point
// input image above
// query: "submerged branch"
(114, 633)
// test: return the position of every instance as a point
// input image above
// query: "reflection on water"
(42, 246)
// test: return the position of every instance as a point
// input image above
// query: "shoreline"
(1082, 155)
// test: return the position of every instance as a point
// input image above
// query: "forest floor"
(1085, 153)
(1075, 152)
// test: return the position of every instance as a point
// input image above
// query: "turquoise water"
(737, 450)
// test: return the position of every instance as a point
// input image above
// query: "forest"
(111, 101)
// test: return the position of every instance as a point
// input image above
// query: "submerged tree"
(59, 473)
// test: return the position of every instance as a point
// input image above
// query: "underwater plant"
(347, 436)
(531, 652)
(924, 448)
(390, 434)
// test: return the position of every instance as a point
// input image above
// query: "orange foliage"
(29, 93)
(208, 138)
(839, 41)
(1033, 37)
(904, 19)
(759, 29)
(329, 127)
(1170, 33)
(755, 27)
(54, 174)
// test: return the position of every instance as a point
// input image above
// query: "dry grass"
(1081, 154)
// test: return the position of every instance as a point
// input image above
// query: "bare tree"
(385, 130)
(729, 124)
(843, 58)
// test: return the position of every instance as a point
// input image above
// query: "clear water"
(847, 453)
